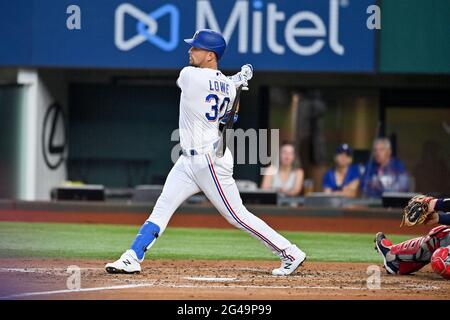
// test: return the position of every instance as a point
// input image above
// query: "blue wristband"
(442, 205)
(444, 218)
(225, 118)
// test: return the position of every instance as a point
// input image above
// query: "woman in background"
(343, 179)
(288, 178)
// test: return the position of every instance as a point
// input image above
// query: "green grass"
(55, 240)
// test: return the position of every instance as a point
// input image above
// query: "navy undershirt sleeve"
(444, 218)
(442, 205)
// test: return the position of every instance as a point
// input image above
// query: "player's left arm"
(442, 204)
(239, 79)
(441, 211)
(243, 77)
(224, 118)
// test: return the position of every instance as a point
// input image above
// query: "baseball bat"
(228, 124)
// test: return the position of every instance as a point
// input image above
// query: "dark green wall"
(119, 136)
(415, 36)
(11, 98)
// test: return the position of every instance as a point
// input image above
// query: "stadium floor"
(191, 263)
(206, 279)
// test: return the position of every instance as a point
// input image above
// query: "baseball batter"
(207, 96)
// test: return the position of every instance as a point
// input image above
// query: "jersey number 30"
(215, 109)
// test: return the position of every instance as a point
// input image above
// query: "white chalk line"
(43, 270)
(37, 270)
(288, 287)
(194, 286)
(45, 293)
(211, 279)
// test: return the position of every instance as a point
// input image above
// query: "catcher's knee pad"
(438, 237)
(409, 250)
(410, 255)
(440, 262)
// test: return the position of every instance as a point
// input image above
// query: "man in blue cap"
(343, 179)
(206, 100)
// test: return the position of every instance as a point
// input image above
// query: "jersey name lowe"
(206, 95)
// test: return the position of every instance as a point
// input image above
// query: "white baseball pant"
(213, 176)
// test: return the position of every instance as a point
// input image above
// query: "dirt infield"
(279, 222)
(199, 279)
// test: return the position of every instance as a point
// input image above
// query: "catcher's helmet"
(440, 262)
(208, 40)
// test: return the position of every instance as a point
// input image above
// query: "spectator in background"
(385, 173)
(288, 178)
(343, 179)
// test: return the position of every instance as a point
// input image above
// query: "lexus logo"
(54, 136)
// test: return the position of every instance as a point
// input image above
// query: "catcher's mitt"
(417, 211)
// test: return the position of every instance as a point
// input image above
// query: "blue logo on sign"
(174, 28)
(146, 27)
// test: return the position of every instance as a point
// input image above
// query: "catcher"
(412, 255)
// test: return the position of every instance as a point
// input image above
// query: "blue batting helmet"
(208, 40)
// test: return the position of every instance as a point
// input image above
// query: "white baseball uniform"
(206, 95)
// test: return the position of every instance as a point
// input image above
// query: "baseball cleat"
(128, 263)
(383, 246)
(288, 266)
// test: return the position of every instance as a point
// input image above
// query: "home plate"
(210, 279)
